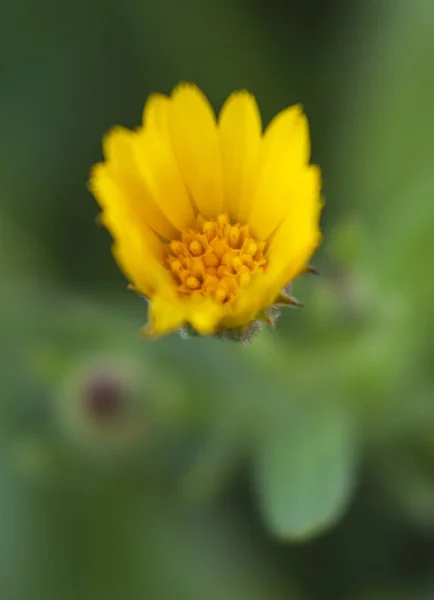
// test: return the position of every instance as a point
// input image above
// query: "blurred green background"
(299, 468)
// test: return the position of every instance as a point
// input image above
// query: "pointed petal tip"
(186, 86)
(265, 318)
(284, 300)
(311, 270)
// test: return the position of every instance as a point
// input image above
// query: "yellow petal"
(127, 255)
(240, 132)
(137, 262)
(289, 252)
(155, 113)
(120, 151)
(298, 236)
(120, 196)
(204, 315)
(157, 165)
(117, 148)
(285, 151)
(165, 315)
(111, 194)
(250, 301)
(194, 137)
(137, 249)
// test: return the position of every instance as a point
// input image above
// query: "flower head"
(211, 219)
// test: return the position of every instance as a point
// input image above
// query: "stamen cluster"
(216, 259)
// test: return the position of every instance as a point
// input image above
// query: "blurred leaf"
(305, 472)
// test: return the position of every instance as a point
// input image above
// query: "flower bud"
(102, 407)
(105, 395)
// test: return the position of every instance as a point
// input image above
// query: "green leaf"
(305, 472)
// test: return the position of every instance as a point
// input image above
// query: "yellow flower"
(211, 219)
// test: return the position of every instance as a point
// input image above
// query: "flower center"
(216, 259)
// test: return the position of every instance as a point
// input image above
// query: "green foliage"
(301, 467)
(305, 470)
